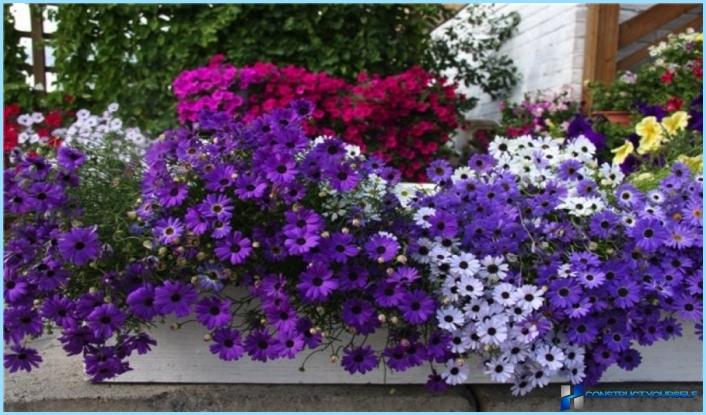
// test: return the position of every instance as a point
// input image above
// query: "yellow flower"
(622, 152)
(651, 134)
(695, 164)
(675, 122)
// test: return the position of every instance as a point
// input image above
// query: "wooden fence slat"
(644, 52)
(601, 46)
(649, 21)
(37, 34)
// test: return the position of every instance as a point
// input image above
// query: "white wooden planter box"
(181, 356)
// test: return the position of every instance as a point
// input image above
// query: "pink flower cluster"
(404, 119)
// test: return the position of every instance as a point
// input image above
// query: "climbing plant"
(468, 47)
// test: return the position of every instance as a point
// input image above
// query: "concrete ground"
(59, 385)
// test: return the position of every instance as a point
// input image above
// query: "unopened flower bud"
(255, 244)
(390, 271)
(313, 331)
(207, 337)
(404, 343)
(174, 327)
(394, 320)
(147, 244)
(37, 302)
(320, 310)
(194, 280)
(325, 234)
(132, 214)
(106, 299)
(355, 222)
(162, 251)
(92, 290)
(182, 262)
(382, 318)
(401, 259)
(345, 230)
(460, 361)
(201, 256)
(381, 260)
(333, 358)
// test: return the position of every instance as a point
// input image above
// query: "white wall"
(547, 50)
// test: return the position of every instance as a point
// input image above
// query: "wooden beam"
(601, 46)
(650, 20)
(641, 54)
(24, 33)
(37, 34)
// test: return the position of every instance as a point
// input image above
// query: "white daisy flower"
(37, 117)
(500, 147)
(492, 332)
(462, 174)
(503, 294)
(493, 268)
(450, 318)
(460, 342)
(529, 297)
(464, 264)
(25, 120)
(522, 386)
(499, 369)
(455, 373)
(540, 377)
(515, 352)
(550, 357)
(470, 287)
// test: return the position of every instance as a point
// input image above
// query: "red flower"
(674, 104)
(53, 119)
(667, 77)
(9, 137)
(698, 70)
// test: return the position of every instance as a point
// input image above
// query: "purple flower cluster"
(264, 260)
(45, 256)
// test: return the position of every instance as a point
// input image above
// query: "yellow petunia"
(650, 132)
(695, 164)
(622, 152)
(675, 122)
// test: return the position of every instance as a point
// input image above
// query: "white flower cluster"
(487, 315)
(537, 161)
(28, 135)
(675, 40)
(96, 131)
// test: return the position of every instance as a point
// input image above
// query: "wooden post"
(38, 57)
(601, 47)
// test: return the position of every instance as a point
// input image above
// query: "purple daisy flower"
(283, 318)
(625, 292)
(168, 230)
(360, 315)
(649, 234)
(570, 170)
(173, 194)
(439, 171)
(227, 344)
(281, 170)
(175, 297)
(359, 360)
(60, 310)
(260, 345)
(69, 158)
(21, 358)
(629, 359)
(80, 245)
(235, 249)
(216, 207)
(288, 344)
(417, 307)
(300, 242)
(604, 224)
(389, 295)
(340, 247)
(404, 275)
(141, 302)
(317, 283)
(443, 224)
(382, 247)
(105, 320)
(195, 223)
(213, 312)
(564, 293)
(343, 178)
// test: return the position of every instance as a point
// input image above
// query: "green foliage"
(477, 33)
(15, 72)
(131, 53)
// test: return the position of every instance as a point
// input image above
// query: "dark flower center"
(564, 292)
(214, 310)
(79, 245)
(648, 233)
(317, 281)
(176, 297)
(623, 292)
(105, 320)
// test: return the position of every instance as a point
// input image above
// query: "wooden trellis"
(606, 36)
(39, 67)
